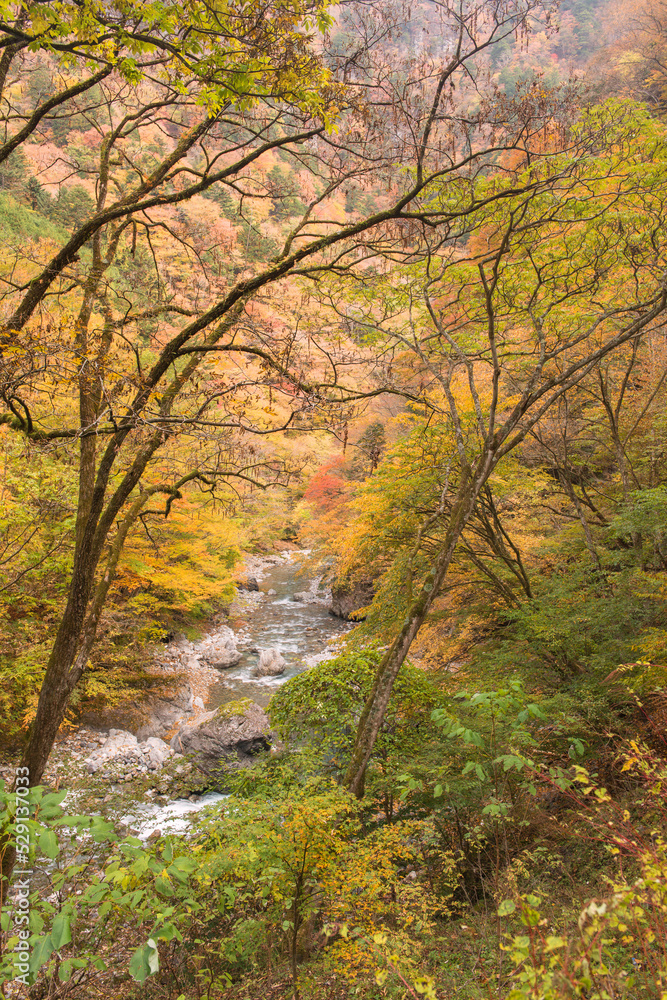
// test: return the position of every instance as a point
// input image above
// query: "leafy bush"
(322, 706)
(297, 874)
(89, 890)
(618, 947)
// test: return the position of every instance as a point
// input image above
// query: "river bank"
(279, 606)
(133, 777)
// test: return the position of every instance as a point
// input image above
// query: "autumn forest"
(333, 499)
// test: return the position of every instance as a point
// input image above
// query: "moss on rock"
(231, 708)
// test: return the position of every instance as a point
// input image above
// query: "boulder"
(271, 664)
(229, 737)
(348, 597)
(123, 748)
(219, 650)
(158, 751)
(118, 744)
(224, 658)
(313, 595)
(164, 712)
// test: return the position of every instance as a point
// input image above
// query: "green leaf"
(164, 886)
(101, 830)
(60, 932)
(553, 943)
(48, 843)
(506, 907)
(168, 932)
(95, 893)
(41, 953)
(181, 868)
(139, 964)
(471, 737)
(52, 800)
(65, 971)
(153, 956)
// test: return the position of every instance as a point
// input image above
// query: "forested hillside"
(333, 499)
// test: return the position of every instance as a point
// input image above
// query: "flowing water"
(146, 818)
(300, 632)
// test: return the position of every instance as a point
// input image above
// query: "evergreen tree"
(371, 446)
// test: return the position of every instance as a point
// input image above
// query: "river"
(272, 619)
(269, 618)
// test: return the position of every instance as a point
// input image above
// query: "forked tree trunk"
(538, 397)
(376, 706)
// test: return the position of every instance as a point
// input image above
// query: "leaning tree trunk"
(62, 674)
(62, 670)
(375, 709)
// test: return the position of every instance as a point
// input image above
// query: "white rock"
(158, 750)
(119, 743)
(271, 663)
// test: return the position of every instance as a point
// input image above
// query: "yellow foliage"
(187, 561)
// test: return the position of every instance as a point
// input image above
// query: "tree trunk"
(376, 707)
(63, 672)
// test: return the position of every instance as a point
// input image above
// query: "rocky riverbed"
(212, 717)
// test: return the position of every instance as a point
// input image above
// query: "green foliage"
(62, 126)
(644, 515)
(235, 55)
(580, 620)
(268, 880)
(221, 196)
(289, 869)
(493, 731)
(586, 24)
(322, 705)
(285, 190)
(72, 207)
(253, 245)
(97, 884)
(14, 171)
(18, 221)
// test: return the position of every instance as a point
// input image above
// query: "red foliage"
(327, 488)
